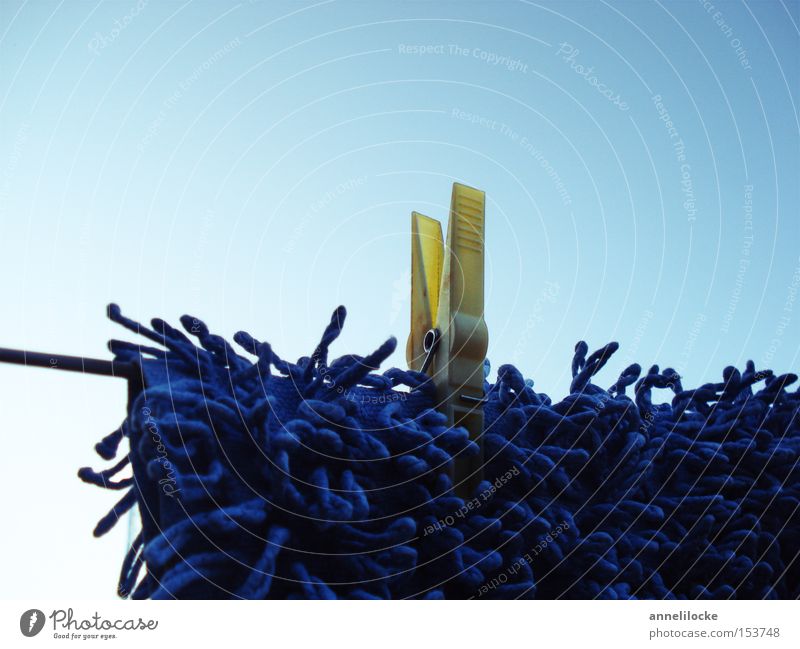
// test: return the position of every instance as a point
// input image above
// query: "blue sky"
(255, 164)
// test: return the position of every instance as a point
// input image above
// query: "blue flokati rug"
(260, 478)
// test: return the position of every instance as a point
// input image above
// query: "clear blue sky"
(255, 164)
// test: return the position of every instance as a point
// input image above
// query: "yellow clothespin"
(449, 337)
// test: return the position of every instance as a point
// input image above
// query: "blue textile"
(269, 479)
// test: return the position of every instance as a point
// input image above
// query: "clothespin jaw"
(454, 341)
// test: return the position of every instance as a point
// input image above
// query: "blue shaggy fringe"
(269, 479)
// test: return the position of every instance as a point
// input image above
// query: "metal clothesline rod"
(66, 363)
